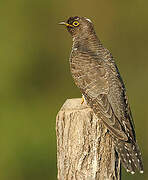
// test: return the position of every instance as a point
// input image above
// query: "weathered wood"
(85, 150)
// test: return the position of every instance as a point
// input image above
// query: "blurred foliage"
(35, 79)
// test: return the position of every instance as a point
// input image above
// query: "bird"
(97, 76)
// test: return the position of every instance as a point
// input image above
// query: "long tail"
(130, 156)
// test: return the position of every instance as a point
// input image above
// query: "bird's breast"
(88, 73)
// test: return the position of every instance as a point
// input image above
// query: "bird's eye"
(75, 23)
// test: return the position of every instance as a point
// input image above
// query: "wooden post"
(85, 150)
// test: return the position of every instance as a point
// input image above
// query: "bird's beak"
(66, 24)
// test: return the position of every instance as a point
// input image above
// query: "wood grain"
(85, 150)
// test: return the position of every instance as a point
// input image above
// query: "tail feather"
(130, 156)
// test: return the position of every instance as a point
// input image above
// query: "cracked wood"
(85, 150)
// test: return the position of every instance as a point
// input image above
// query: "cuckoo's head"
(78, 26)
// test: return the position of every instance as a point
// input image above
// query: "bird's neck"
(87, 42)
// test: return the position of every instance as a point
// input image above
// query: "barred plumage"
(96, 74)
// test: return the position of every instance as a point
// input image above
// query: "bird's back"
(96, 74)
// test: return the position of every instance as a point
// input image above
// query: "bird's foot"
(82, 99)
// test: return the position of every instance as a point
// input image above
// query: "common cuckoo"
(94, 71)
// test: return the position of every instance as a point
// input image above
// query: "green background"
(35, 79)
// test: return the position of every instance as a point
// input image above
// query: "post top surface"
(74, 104)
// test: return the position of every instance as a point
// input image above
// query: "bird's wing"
(104, 92)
